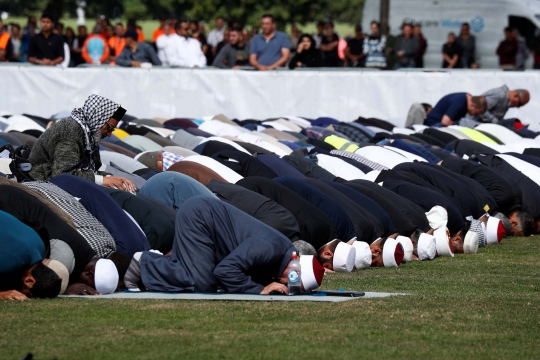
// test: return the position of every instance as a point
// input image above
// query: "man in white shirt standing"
(216, 35)
(182, 50)
(163, 41)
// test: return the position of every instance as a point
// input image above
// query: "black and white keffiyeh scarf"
(96, 111)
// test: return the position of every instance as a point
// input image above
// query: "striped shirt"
(360, 159)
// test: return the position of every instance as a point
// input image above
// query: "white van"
(487, 19)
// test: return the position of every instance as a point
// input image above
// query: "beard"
(97, 136)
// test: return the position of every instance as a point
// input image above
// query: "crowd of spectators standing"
(183, 43)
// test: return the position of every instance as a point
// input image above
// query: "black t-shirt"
(331, 58)
(42, 47)
(242, 56)
(356, 46)
(451, 50)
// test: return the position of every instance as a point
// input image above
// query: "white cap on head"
(61, 271)
(408, 247)
(494, 231)
(427, 247)
(392, 253)
(444, 248)
(344, 257)
(312, 272)
(363, 255)
(106, 276)
(470, 243)
(437, 217)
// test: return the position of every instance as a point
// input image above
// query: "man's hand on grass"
(275, 286)
(80, 289)
(12, 295)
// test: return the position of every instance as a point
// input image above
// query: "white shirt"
(184, 52)
(162, 43)
(215, 36)
(339, 167)
(67, 57)
(212, 164)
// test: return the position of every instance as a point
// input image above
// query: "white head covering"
(426, 247)
(408, 247)
(344, 257)
(363, 255)
(106, 276)
(437, 217)
(312, 272)
(443, 242)
(470, 243)
(494, 231)
(392, 253)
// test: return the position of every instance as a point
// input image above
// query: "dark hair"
(330, 23)
(406, 24)
(426, 106)
(59, 25)
(119, 24)
(508, 29)
(131, 22)
(376, 23)
(358, 27)
(69, 28)
(451, 33)
(465, 24)
(220, 17)
(179, 23)
(47, 283)
(237, 29)
(526, 221)
(13, 25)
(269, 16)
(122, 263)
(465, 230)
(48, 16)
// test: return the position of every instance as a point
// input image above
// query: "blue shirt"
(268, 52)
(20, 246)
(452, 105)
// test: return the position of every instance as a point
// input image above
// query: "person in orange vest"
(117, 42)
(6, 47)
(95, 48)
(132, 24)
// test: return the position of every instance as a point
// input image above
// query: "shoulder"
(144, 46)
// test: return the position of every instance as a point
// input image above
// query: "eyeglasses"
(110, 127)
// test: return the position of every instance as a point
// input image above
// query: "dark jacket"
(507, 51)
(260, 207)
(128, 238)
(406, 215)
(315, 226)
(215, 245)
(341, 220)
(504, 189)
(46, 223)
(158, 225)
(61, 150)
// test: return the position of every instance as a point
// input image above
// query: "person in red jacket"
(507, 50)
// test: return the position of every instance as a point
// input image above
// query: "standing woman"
(306, 54)
(70, 146)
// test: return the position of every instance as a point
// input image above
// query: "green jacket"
(61, 150)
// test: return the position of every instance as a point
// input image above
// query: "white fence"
(168, 93)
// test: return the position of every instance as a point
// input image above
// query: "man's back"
(453, 105)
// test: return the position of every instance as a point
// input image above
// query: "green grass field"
(482, 306)
(149, 26)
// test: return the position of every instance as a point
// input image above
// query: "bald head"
(519, 98)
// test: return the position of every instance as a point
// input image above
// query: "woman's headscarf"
(96, 111)
(312, 49)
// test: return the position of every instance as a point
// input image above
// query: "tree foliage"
(245, 11)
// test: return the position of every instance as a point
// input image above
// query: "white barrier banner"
(195, 93)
